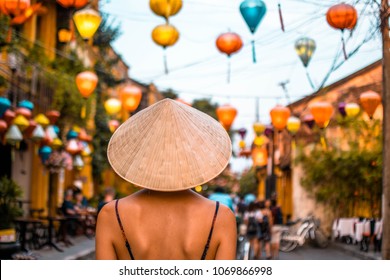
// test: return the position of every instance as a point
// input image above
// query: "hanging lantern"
(38, 134)
(305, 48)
(242, 132)
(322, 112)
(3, 126)
(112, 106)
(87, 22)
(293, 125)
(53, 116)
(42, 120)
(165, 35)
(50, 132)
(21, 122)
(72, 147)
(198, 189)
(370, 101)
(226, 115)
(78, 162)
(113, 125)
(308, 120)
(86, 83)
(26, 14)
(83, 136)
(26, 104)
(352, 109)
(5, 104)
(131, 97)
(14, 7)
(341, 107)
(56, 129)
(259, 128)
(229, 43)
(342, 16)
(23, 112)
(13, 135)
(71, 135)
(165, 8)
(31, 127)
(73, 3)
(259, 156)
(260, 140)
(45, 152)
(86, 150)
(253, 12)
(269, 131)
(279, 116)
(64, 35)
(57, 144)
(242, 144)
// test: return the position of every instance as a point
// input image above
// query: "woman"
(265, 227)
(252, 219)
(167, 149)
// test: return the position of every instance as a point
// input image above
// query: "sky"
(198, 70)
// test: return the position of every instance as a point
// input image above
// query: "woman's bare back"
(165, 225)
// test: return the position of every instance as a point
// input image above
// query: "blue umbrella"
(4, 105)
(253, 12)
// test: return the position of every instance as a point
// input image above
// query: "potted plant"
(9, 209)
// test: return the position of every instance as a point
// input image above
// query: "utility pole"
(384, 20)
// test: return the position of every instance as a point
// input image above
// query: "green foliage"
(206, 106)
(9, 210)
(169, 94)
(347, 174)
(248, 182)
(109, 30)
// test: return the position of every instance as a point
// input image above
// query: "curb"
(355, 252)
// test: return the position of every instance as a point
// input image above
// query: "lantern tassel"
(84, 109)
(281, 16)
(165, 62)
(253, 51)
(343, 44)
(310, 81)
(323, 142)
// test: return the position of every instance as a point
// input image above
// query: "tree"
(206, 106)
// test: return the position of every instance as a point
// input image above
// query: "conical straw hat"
(169, 146)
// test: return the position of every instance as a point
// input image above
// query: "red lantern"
(29, 130)
(14, 7)
(72, 3)
(229, 43)
(24, 112)
(342, 16)
(226, 115)
(9, 116)
(279, 117)
(322, 112)
(131, 97)
(86, 83)
(308, 120)
(113, 125)
(83, 136)
(53, 116)
(3, 126)
(370, 101)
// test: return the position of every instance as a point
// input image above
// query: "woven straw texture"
(169, 146)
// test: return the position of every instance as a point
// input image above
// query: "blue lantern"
(26, 104)
(56, 129)
(253, 12)
(4, 105)
(44, 153)
(71, 135)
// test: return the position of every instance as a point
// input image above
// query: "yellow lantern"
(112, 106)
(352, 109)
(321, 111)
(165, 8)
(56, 144)
(226, 115)
(370, 101)
(260, 140)
(293, 125)
(42, 120)
(198, 188)
(242, 144)
(64, 35)
(259, 156)
(21, 122)
(165, 35)
(87, 22)
(259, 128)
(279, 117)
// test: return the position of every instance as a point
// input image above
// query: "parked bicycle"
(309, 228)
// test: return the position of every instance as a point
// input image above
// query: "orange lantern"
(64, 35)
(259, 156)
(72, 3)
(279, 116)
(342, 16)
(131, 97)
(322, 112)
(165, 8)
(86, 83)
(370, 101)
(14, 8)
(226, 115)
(53, 116)
(229, 43)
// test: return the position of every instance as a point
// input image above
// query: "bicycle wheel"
(286, 243)
(320, 239)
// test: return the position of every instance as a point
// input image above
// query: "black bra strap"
(123, 232)
(206, 248)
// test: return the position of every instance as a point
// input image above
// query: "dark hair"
(219, 190)
(273, 202)
(261, 204)
(252, 206)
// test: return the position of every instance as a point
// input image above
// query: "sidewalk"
(354, 250)
(81, 247)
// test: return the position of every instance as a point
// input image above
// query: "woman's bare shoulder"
(226, 216)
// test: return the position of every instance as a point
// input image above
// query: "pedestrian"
(252, 219)
(109, 195)
(265, 227)
(277, 219)
(167, 149)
